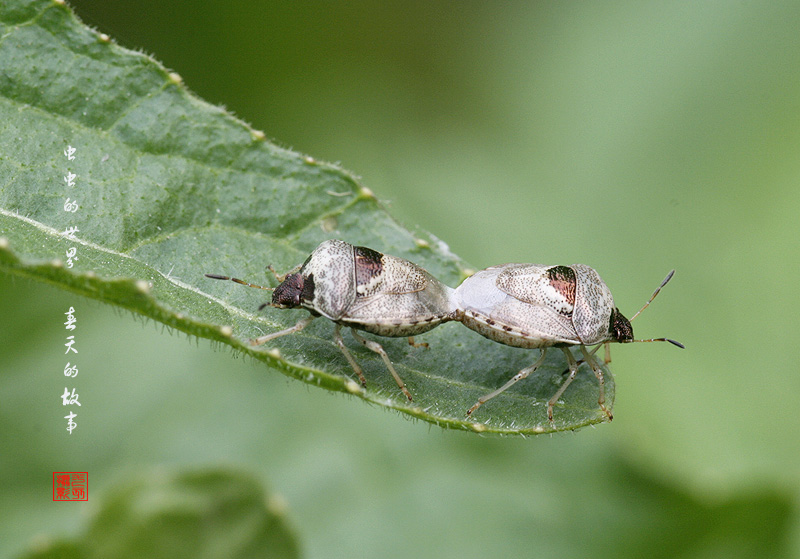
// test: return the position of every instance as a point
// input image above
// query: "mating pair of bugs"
(520, 305)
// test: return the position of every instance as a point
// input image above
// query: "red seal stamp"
(70, 486)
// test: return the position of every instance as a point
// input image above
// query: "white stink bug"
(534, 306)
(362, 289)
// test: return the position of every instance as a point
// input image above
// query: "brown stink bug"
(535, 306)
(362, 289)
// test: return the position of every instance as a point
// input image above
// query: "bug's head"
(289, 293)
(620, 327)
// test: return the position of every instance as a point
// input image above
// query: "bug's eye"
(620, 327)
(287, 294)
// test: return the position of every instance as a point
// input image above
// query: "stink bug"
(362, 289)
(534, 306)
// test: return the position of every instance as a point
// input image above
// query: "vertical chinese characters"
(70, 206)
(70, 396)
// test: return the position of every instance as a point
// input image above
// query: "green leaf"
(208, 513)
(169, 187)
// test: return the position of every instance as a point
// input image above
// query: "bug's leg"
(282, 277)
(573, 370)
(337, 337)
(598, 372)
(296, 328)
(279, 277)
(377, 348)
(606, 348)
(412, 343)
(519, 376)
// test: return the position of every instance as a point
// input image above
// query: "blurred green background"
(632, 137)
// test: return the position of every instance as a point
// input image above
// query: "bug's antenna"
(647, 304)
(673, 342)
(237, 280)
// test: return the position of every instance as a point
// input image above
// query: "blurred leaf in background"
(208, 513)
(632, 137)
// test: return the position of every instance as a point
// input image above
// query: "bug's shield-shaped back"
(593, 306)
(395, 297)
(523, 308)
(547, 296)
(540, 286)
